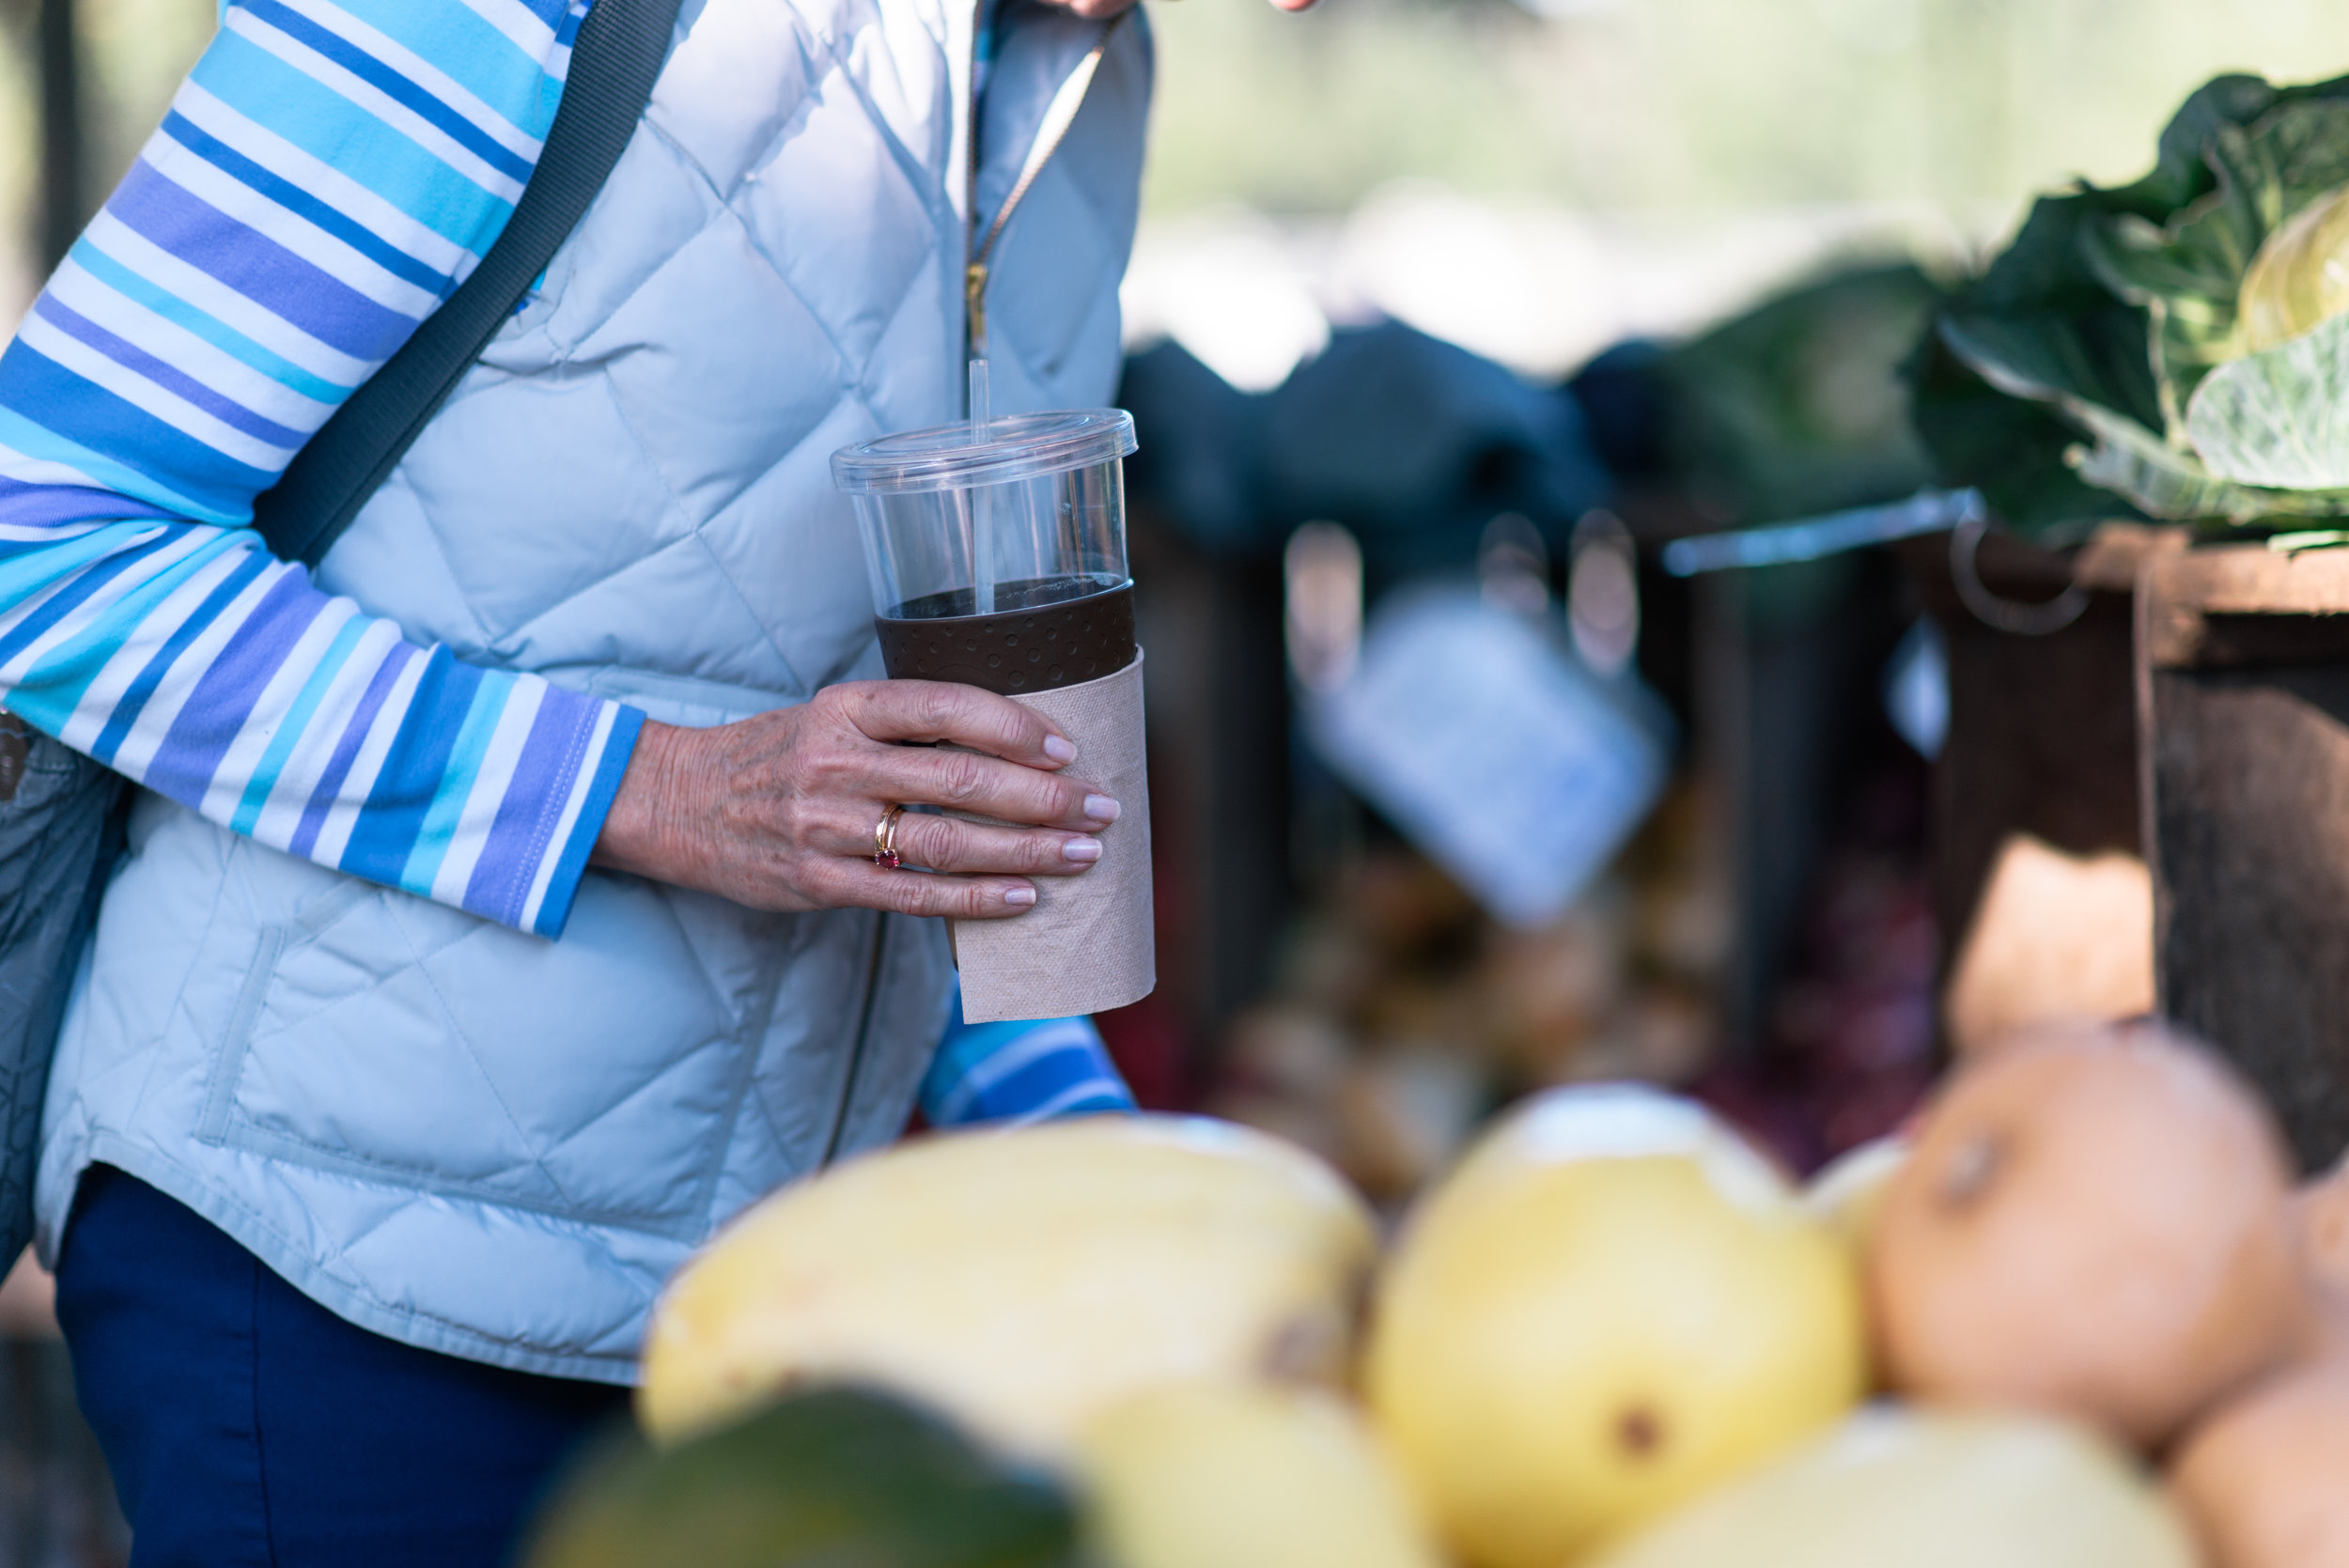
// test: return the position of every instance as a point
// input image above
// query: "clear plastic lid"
(1016, 447)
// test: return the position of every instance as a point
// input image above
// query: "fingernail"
(1059, 749)
(1081, 849)
(1101, 808)
(1019, 898)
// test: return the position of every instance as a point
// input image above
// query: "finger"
(962, 715)
(860, 883)
(942, 844)
(989, 786)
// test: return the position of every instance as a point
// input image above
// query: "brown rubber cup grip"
(1035, 647)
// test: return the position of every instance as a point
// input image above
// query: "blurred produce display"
(1396, 1017)
(1796, 409)
(2102, 1329)
(1848, 1040)
(2175, 343)
(1403, 1016)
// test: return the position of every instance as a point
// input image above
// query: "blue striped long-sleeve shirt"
(1015, 1072)
(327, 175)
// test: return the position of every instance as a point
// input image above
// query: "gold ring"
(885, 839)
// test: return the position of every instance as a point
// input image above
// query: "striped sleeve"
(1021, 1072)
(328, 174)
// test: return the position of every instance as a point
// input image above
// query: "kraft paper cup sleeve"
(1086, 945)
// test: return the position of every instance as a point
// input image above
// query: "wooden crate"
(2043, 729)
(2243, 702)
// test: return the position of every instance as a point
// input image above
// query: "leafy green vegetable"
(2188, 272)
(2116, 312)
(2012, 449)
(2163, 481)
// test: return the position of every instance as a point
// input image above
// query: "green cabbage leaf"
(2113, 315)
(2279, 419)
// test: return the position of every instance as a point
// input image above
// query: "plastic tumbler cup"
(998, 556)
(997, 553)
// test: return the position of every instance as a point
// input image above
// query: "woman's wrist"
(636, 830)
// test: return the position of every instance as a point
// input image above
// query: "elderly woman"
(499, 914)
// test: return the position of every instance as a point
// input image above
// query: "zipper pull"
(975, 306)
(1058, 115)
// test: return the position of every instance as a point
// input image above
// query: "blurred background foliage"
(1653, 108)
(1664, 104)
(1536, 179)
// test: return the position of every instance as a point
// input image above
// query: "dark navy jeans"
(249, 1427)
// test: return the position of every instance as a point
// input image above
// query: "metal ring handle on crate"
(2011, 616)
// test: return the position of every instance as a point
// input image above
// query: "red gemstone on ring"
(888, 859)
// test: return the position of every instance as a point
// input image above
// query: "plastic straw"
(981, 514)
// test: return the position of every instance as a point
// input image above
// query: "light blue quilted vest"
(499, 1146)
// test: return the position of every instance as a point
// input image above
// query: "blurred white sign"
(1493, 748)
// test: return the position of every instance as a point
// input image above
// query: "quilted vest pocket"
(595, 1078)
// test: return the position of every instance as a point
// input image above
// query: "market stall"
(1739, 960)
(2065, 1296)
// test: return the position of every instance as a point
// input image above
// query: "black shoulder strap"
(615, 61)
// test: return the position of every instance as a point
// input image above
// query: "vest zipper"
(1059, 115)
(863, 1035)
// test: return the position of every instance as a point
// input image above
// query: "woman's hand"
(778, 811)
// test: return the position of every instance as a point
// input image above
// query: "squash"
(1894, 1488)
(1234, 1475)
(2263, 1479)
(2092, 1225)
(826, 1478)
(1613, 1305)
(1021, 1280)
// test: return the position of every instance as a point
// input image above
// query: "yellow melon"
(1620, 1120)
(1231, 1475)
(1022, 1281)
(1893, 1488)
(2092, 1223)
(2266, 1479)
(1609, 1307)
